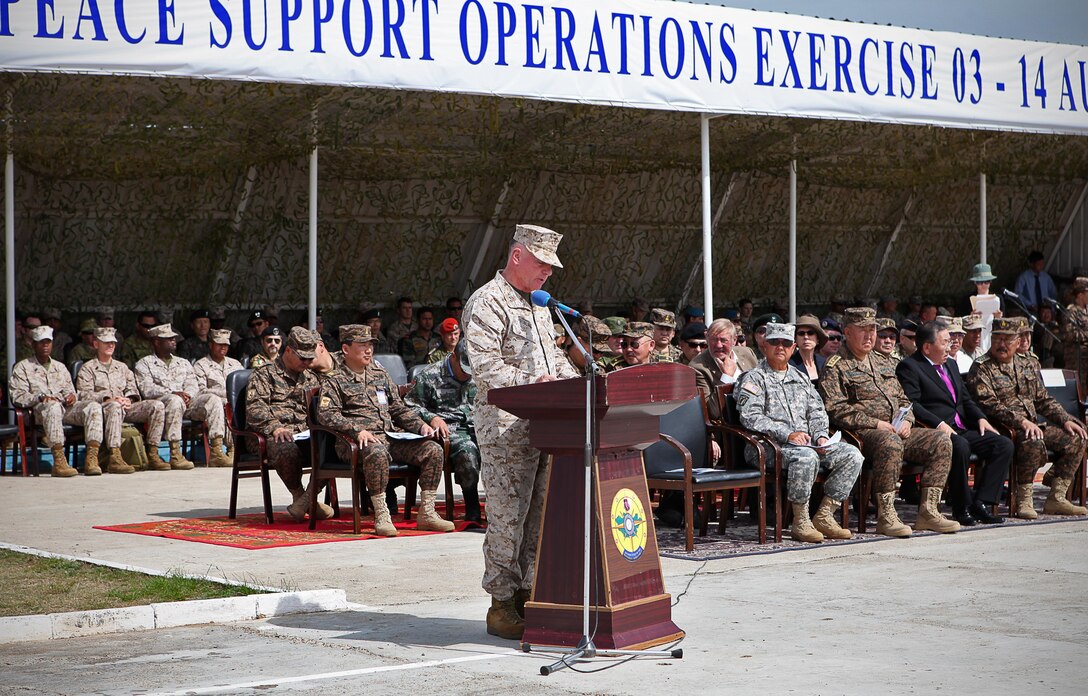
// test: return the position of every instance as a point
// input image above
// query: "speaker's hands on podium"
(546, 378)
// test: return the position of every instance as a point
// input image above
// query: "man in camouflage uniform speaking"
(360, 400)
(443, 395)
(510, 342)
(862, 394)
(777, 400)
(1010, 391)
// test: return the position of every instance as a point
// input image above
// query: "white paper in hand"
(402, 436)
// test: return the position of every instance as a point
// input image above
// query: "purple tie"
(951, 390)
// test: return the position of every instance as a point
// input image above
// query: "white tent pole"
(708, 266)
(793, 241)
(313, 230)
(9, 237)
(982, 218)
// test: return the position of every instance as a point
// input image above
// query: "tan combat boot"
(887, 519)
(929, 514)
(825, 520)
(1057, 503)
(216, 456)
(428, 520)
(60, 464)
(177, 459)
(117, 463)
(154, 461)
(90, 462)
(503, 620)
(383, 524)
(301, 505)
(1025, 504)
(802, 529)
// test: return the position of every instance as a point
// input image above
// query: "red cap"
(448, 325)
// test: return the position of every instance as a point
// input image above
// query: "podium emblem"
(629, 526)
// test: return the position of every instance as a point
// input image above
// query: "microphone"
(542, 298)
(1052, 302)
(1010, 293)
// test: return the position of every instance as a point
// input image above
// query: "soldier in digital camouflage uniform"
(170, 379)
(638, 344)
(887, 339)
(211, 373)
(510, 342)
(110, 382)
(599, 349)
(360, 400)
(138, 345)
(776, 399)
(84, 350)
(1010, 391)
(664, 323)
(1075, 332)
(44, 385)
(862, 394)
(276, 408)
(443, 396)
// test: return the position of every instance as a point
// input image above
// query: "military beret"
(448, 325)
(41, 333)
(731, 314)
(859, 316)
(764, 319)
(257, 315)
(369, 314)
(199, 314)
(356, 333)
(271, 331)
(302, 341)
(695, 329)
(830, 325)
(663, 317)
(638, 329)
(615, 324)
(693, 311)
(1007, 326)
(88, 326)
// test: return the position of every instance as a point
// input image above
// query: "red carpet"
(251, 532)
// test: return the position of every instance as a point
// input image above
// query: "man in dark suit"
(933, 384)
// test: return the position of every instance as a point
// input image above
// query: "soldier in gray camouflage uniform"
(862, 394)
(776, 399)
(43, 384)
(443, 396)
(1010, 391)
(276, 408)
(170, 379)
(360, 400)
(510, 342)
(664, 323)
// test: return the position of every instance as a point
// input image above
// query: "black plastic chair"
(250, 450)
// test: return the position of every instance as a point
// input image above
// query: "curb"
(17, 629)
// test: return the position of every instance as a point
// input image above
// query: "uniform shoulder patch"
(325, 401)
(983, 358)
(751, 387)
(833, 361)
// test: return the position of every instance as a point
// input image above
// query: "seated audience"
(809, 337)
(417, 345)
(692, 341)
(449, 332)
(84, 350)
(271, 342)
(196, 346)
(664, 323)
(721, 363)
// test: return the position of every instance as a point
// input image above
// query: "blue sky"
(1056, 21)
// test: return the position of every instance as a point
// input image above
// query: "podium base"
(633, 626)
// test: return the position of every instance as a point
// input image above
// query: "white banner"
(641, 53)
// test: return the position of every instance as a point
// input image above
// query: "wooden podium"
(628, 603)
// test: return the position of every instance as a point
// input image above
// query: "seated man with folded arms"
(44, 385)
(776, 399)
(170, 379)
(360, 400)
(111, 383)
(443, 395)
(211, 376)
(722, 362)
(1011, 393)
(861, 393)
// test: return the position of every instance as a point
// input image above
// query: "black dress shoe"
(981, 512)
(964, 517)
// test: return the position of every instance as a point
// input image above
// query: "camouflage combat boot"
(90, 461)
(802, 529)
(1057, 503)
(929, 514)
(117, 463)
(60, 464)
(427, 520)
(826, 523)
(383, 524)
(1025, 504)
(503, 620)
(215, 453)
(177, 459)
(887, 519)
(154, 461)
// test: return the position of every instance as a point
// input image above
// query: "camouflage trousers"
(842, 462)
(927, 447)
(173, 412)
(288, 459)
(150, 412)
(515, 477)
(54, 415)
(464, 458)
(208, 408)
(426, 455)
(1031, 454)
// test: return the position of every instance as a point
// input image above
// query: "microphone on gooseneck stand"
(542, 298)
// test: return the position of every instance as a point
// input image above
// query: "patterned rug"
(251, 532)
(741, 536)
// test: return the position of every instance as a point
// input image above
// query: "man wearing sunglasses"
(862, 393)
(692, 342)
(887, 339)
(138, 345)
(637, 344)
(776, 399)
(251, 344)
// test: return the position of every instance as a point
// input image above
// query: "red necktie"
(951, 390)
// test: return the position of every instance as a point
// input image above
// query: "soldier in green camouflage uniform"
(443, 396)
(1009, 389)
(511, 342)
(664, 323)
(276, 408)
(862, 394)
(84, 350)
(138, 345)
(1075, 332)
(602, 353)
(360, 400)
(776, 399)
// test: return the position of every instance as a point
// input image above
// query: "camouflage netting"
(182, 192)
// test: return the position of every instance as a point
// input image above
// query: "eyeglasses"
(697, 344)
(834, 337)
(779, 342)
(255, 324)
(148, 326)
(805, 334)
(635, 343)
